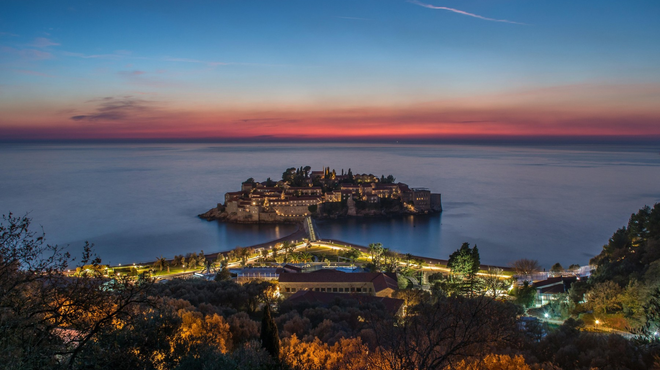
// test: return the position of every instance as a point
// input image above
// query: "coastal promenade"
(298, 235)
(306, 230)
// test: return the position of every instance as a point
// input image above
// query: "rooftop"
(380, 280)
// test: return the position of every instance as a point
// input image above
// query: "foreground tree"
(48, 319)
(438, 335)
(269, 336)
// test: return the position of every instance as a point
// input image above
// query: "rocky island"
(322, 194)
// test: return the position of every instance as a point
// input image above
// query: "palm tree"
(305, 257)
(289, 247)
(376, 250)
(264, 254)
(293, 257)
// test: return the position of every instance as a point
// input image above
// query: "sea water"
(136, 202)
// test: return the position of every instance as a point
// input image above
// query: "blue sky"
(206, 64)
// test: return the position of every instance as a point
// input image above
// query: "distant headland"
(322, 194)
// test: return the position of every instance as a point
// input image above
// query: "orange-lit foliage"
(210, 330)
(493, 362)
(347, 353)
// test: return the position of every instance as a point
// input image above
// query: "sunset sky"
(317, 69)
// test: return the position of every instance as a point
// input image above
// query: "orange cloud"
(568, 111)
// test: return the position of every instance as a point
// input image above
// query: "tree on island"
(387, 180)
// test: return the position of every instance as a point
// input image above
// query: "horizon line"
(456, 139)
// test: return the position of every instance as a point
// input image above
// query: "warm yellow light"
(597, 322)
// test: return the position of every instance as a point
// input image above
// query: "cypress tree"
(270, 338)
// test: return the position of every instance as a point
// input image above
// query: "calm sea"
(136, 202)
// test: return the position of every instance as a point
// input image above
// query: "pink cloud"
(42, 42)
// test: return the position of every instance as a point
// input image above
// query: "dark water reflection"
(139, 201)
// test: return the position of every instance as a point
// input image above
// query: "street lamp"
(597, 322)
(546, 315)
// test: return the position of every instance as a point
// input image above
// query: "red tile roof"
(392, 305)
(555, 289)
(381, 281)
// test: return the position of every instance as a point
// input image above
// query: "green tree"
(288, 248)
(464, 265)
(605, 297)
(270, 338)
(574, 267)
(376, 251)
(223, 274)
(161, 263)
(352, 254)
(191, 260)
(40, 304)
(304, 257)
(525, 295)
(465, 261)
(243, 254)
(557, 268)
